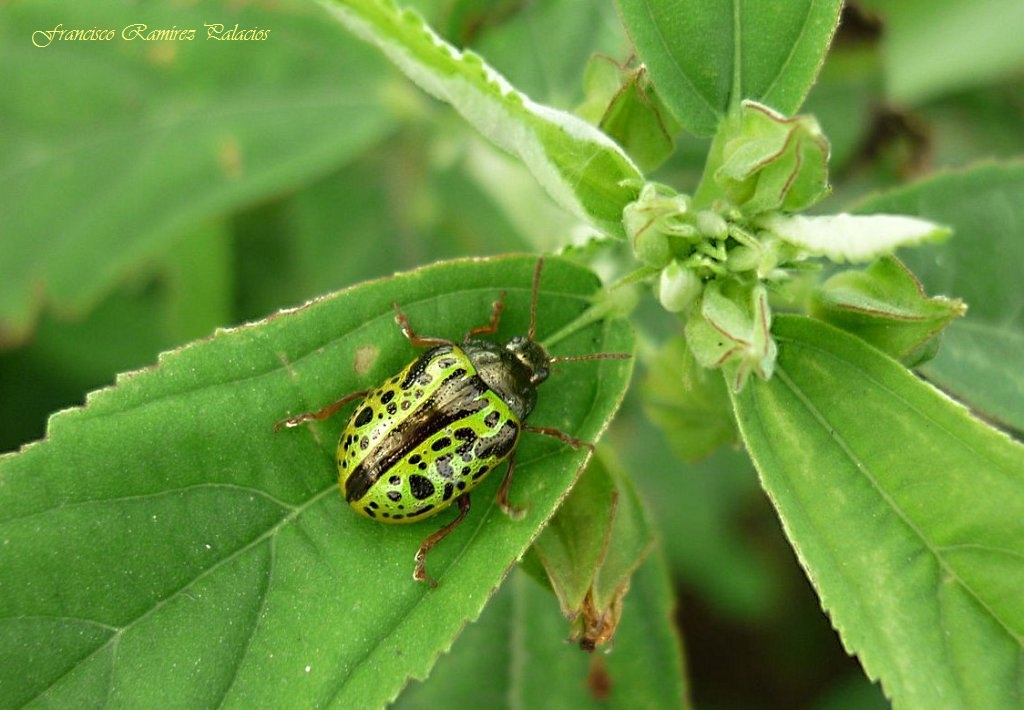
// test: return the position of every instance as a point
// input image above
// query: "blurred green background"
(153, 191)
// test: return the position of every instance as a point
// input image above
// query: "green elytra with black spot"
(429, 435)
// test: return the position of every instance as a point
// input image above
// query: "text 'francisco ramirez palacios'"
(145, 33)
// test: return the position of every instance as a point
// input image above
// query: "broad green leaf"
(184, 295)
(516, 655)
(544, 48)
(979, 360)
(580, 167)
(906, 513)
(165, 541)
(706, 56)
(932, 47)
(109, 150)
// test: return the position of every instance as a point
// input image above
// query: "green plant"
(164, 542)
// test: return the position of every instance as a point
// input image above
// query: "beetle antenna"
(592, 356)
(533, 298)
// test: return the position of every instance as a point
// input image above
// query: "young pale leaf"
(706, 56)
(906, 512)
(580, 167)
(165, 541)
(516, 655)
(159, 142)
(846, 237)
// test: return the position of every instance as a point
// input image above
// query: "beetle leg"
(492, 325)
(512, 511)
(320, 414)
(420, 573)
(560, 435)
(419, 341)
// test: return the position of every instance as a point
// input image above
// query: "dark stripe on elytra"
(428, 419)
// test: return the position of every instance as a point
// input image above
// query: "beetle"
(427, 436)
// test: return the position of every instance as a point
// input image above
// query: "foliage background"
(152, 192)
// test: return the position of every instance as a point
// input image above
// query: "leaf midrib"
(833, 432)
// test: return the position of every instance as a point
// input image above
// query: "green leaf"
(768, 162)
(622, 101)
(515, 655)
(592, 547)
(979, 361)
(845, 98)
(933, 47)
(102, 167)
(906, 513)
(545, 46)
(886, 306)
(164, 541)
(687, 402)
(706, 56)
(580, 167)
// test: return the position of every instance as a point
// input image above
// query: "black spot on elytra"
(420, 486)
(461, 485)
(392, 408)
(467, 436)
(443, 443)
(394, 496)
(491, 420)
(449, 489)
(404, 405)
(387, 396)
(374, 504)
(369, 511)
(481, 472)
(395, 481)
(364, 417)
(364, 443)
(445, 362)
(415, 459)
